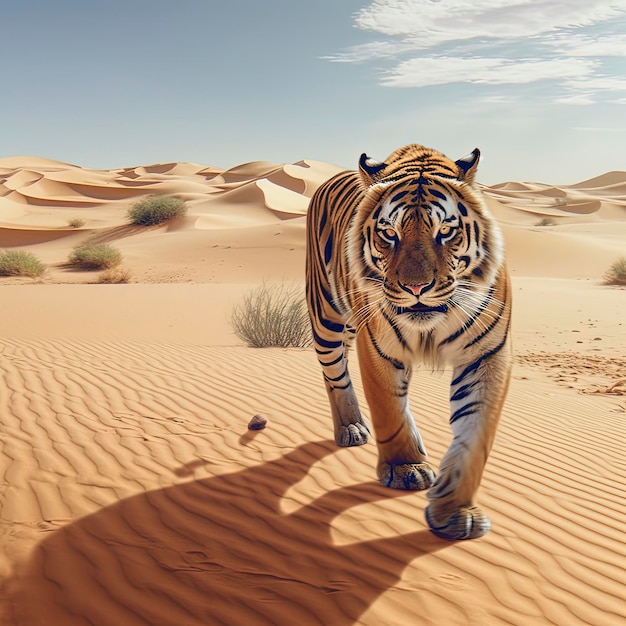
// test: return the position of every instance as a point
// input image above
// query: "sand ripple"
(133, 493)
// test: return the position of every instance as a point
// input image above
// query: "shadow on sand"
(215, 551)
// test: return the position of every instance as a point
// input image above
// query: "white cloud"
(600, 83)
(496, 42)
(582, 99)
(373, 50)
(605, 45)
(433, 22)
(502, 99)
(442, 70)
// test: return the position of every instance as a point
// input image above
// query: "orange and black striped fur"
(404, 257)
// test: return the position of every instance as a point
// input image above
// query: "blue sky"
(538, 85)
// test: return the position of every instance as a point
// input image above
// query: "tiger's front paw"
(411, 476)
(352, 435)
(465, 523)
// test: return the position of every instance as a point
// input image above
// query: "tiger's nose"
(415, 288)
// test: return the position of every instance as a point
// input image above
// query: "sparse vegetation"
(115, 276)
(273, 315)
(76, 223)
(156, 209)
(560, 201)
(20, 263)
(616, 274)
(546, 221)
(95, 256)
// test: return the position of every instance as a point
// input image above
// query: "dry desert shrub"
(616, 274)
(115, 276)
(546, 221)
(95, 256)
(76, 223)
(273, 315)
(156, 209)
(20, 263)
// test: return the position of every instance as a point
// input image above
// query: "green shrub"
(273, 315)
(20, 263)
(156, 209)
(616, 274)
(546, 221)
(95, 256)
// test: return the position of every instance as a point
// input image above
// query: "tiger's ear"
(468, 166)
(371, 171)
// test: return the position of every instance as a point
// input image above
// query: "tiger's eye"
(389, 233)
(444, 229)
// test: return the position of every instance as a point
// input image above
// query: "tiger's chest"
(405, 339)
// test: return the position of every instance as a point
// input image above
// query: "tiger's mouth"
(422, 308)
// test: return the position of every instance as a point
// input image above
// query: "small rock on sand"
(258, 422)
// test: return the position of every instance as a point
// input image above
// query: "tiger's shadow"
(191, 555)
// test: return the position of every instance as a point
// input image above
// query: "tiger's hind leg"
(402, 458)
(476, 396)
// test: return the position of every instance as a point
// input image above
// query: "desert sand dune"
(133, 493)
(19, 237)
(34, 162)
(40, 193)
(284, 202)
(610, 179)
(245, 172)
(19, 179)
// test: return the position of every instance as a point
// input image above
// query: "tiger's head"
(422, 236)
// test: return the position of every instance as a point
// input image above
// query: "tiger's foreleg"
(349, 427)
(402, 458)
(331, 348)
(477, 393)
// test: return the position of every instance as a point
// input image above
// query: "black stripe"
(324, 343)
(463, 391)
(464, 411)
(465, 259)
(337, 379)
(333, 362)
(484, 304)
(399, 196)
(323, 352)
(333, 327)
(476, 364)
(323, 218)
(387, 358)
(328, 248)
(492, 325)
(396, 330)
(379, 441)
(340, 387)
(329, 300)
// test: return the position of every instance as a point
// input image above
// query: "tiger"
(404, 259)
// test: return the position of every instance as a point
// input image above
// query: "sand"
(134, 494)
